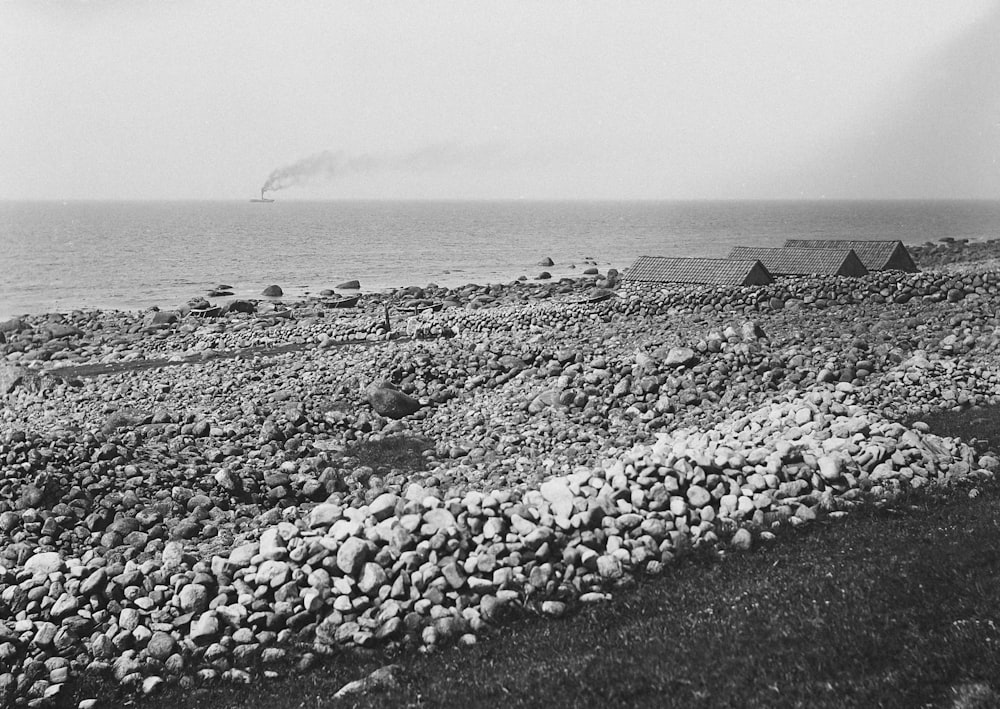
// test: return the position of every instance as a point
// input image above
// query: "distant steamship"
(262, 198)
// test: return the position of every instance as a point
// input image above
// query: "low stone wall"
(810, 291)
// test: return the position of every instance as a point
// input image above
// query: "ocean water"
(60, 256)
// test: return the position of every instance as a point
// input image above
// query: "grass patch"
(404, 453)
(979, 426)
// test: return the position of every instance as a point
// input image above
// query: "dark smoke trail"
(329, 165)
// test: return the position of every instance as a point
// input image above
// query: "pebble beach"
(187, 499)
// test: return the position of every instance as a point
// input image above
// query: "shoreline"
(294, 293)
(86, 259)
(225, 516)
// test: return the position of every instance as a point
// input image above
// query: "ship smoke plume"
(329, 165)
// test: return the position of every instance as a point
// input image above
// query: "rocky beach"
(186, 499)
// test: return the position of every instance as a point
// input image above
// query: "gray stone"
(43, 563)
(389, 402)
(193, 598)
(161, 645)
(383, 506)
(325, 514)
(436, 520)
(743, 539)
(373, 577)
(380, 679)
(273, 544)
(698, 496)
(560, 498)
(609, 567)
(680, 356)
(829, 467)
(352, 555)
(272, 572)
(205, 629)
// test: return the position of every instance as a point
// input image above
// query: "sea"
(82, 255)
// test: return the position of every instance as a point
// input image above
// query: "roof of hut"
(875, 255)
(712, 271)
(800, 262)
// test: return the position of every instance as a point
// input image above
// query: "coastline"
(211, 519)
(137, 255)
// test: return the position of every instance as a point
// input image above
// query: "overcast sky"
(650, 100)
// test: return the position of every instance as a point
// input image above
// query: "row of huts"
(753, 265)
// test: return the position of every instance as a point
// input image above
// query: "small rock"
(352, 555)
(743, 539)
(698, 496)
(43, 563)
(193, 598)
(382, 678)
(205, 629)
(680, 356)
(161, 645)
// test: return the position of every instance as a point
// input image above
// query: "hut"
(802, 262)
(709, 271)
(875, 255)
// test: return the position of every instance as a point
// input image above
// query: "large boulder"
(680, 356)
(389, 401)
(241, 306)
(11, 376)
(161, 317)
(272, 292)
(546, 262)
(12, 325)
(350, 285)
(60, 330)
(547, 398)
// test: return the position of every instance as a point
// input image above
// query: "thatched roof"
(800, 262)
(712, 271)
(875, 255)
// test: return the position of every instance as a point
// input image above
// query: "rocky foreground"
(184, 498)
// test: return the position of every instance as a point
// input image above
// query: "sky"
(769, 99)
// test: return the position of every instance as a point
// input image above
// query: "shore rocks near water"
(212, 518)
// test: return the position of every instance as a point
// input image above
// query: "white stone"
(829, 467)
(560, 498)
(43, 563)
(272, 544)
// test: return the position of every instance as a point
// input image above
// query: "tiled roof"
(832, 262)
(875, 255)
(715, 271)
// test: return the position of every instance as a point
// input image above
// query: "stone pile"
(417, 569)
